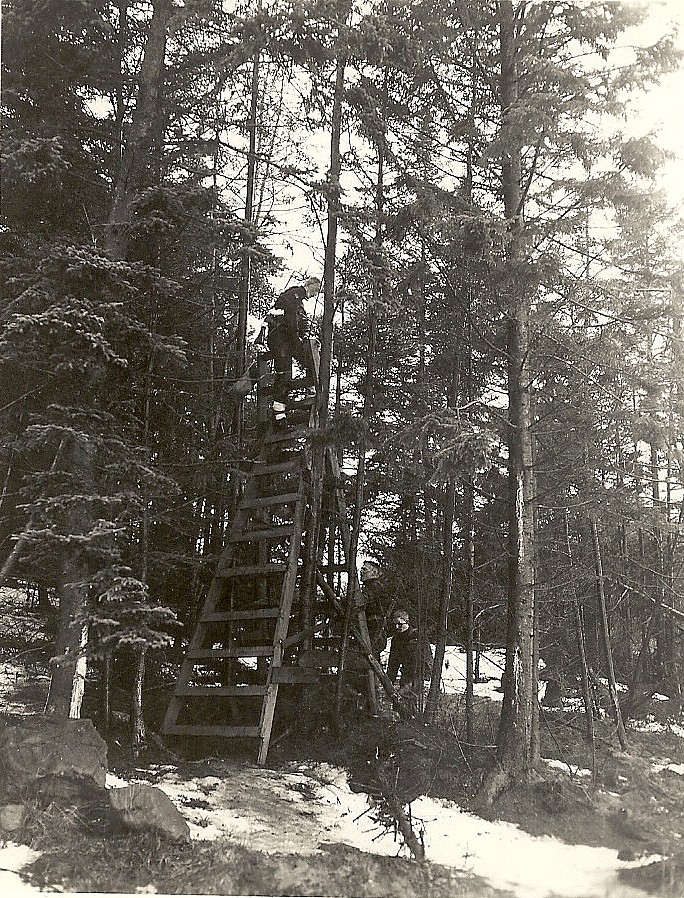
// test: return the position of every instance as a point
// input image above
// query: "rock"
(48, 747)
(147, 807)
(624, 823)
(65, 790)
(12, 817)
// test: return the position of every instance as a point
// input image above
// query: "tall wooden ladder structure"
(253, 634)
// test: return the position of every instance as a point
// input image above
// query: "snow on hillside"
(302, 808)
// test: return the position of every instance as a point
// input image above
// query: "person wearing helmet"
(288, 332)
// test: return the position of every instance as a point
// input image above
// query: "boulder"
(146, 807)
(42, 747)
(12, 817)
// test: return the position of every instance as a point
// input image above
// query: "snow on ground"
(650, 724)
(14, 858)
(531, 866)
(315, 806)
(666, 764)
(492, 664)
(566, 768)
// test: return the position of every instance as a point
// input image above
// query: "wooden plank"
(281, 467)
(255, 536)
(291, 675)
(286, 597)
(268, 501)
(253, 570)
(250, 614)
(294, 639)
(227, 732)
(233, 691)
(171, 712)
(242, 651)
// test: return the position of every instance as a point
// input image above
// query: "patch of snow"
(492, 664)
(571, 704)
(14, 858)
(112, 781)
(657, 696)
(668, 765)
(491, 669)
(308, 805)
(621, 687)
(509, 858)
(650, 724)
(566, 768)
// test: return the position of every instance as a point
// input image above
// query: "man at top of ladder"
(288, 332)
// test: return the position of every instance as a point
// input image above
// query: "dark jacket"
(288, 313)
(410, 657)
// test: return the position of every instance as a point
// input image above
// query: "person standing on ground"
(375, 601)
(410, 658)
(288, 333)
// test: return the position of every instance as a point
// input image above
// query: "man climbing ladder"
(288, 332)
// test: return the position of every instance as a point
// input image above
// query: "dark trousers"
(284, 348)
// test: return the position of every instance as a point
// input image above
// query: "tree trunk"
(605, 633)
(246, 261)
(444, 597)
(472, 663)
(105, 693)
(515, 726)
(582, 652)
(69, 671)
(144, 130)
(331, 242)
(138, 731)
(323, 393)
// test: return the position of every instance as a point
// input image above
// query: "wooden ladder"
(242, 650)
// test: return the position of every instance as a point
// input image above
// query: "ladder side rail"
(209, 606)
(281, 628)
(353, 582)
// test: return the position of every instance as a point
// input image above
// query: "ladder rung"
(266, 501)
(252, 614)
(252, 570)
(294, 675)
(263, 535)
(233, 691)
(196, 730)
(242, 651)
(290, 435)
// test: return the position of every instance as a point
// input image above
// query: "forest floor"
(318, 819)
